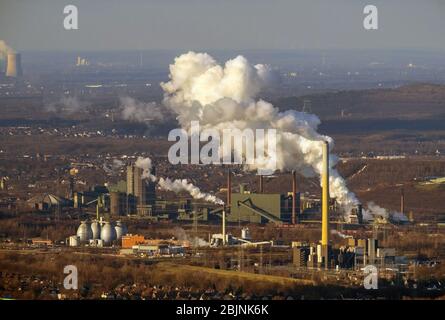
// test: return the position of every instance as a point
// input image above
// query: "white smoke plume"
(67, 105)
(117, 164)
(375, 211)
(137, 111)
(114, 167)
(145, 164)
(177, 185)
(181, 235)
(221, 97)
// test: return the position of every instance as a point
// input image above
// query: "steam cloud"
(221, 97)
(137, 111)
(115, 166)
(177, 185)
(181, 235)
(68, 105)
(375, 210)
(145, 164)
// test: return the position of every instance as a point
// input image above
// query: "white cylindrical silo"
(121, 230)
(108, 233)
(245, 234)
(84, 232)
(73, 241)
(96, 228)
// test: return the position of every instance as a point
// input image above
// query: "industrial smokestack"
(294, 197)
(224, 226)
(261, 189)
(325, 196)
(14, 65)
(229, 188)
(360, 213)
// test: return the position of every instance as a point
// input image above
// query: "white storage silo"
(84, 232)
(73, 241)
(121, 230)
(108, 233)
(245, 234)
(96, 228)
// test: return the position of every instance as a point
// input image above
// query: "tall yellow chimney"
(325, 196)
(14, 65)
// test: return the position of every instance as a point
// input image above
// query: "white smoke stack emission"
(224, 96)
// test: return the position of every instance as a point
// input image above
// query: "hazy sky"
(222, 24)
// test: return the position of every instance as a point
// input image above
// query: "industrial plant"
(355, 181)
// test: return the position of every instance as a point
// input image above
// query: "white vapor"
(145, 164)
(224, 97)
(177, 185)
(374, 211)
(67, 105)
(137, 111)
(181, 235)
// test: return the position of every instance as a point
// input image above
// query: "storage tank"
(96, 228)
(84, 232)
(74, 241)
(121, 230)
(245, 234)
(108, 233)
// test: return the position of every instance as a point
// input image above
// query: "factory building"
(48, 202)
(300, 256)
(118, 205)
(86, 198)
(356, 254)
(141, 192)
(260, 207)
(130, 240)
(98, 234)
(137, 244)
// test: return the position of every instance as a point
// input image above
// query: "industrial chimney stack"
(325, 204)
(294, 197)
(229, 189)
(14, 65)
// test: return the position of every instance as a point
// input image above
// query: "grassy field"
(232, 275)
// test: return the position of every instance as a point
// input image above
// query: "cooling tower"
(14, 65)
